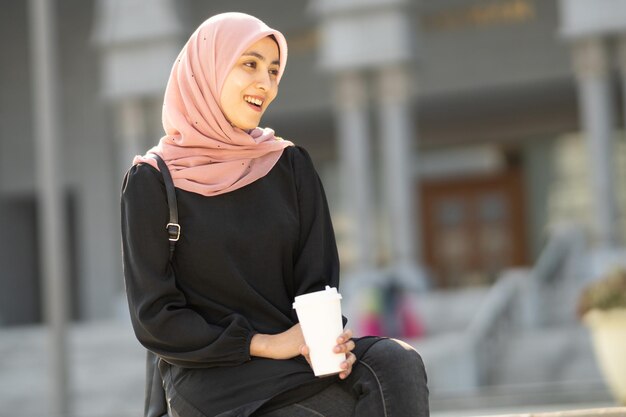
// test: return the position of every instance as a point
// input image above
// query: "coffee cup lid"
(327, 294)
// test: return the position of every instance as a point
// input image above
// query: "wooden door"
(473, 227)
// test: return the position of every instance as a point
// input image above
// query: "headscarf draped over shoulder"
(203, 151)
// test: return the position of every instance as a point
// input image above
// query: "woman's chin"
(246, 128)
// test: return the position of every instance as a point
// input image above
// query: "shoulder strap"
(173, 227)
(155, 400)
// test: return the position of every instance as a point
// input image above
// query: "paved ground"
(107, 377)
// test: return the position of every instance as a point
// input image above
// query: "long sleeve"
(162, 319)
(317, 262)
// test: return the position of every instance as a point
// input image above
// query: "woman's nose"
(263, 81)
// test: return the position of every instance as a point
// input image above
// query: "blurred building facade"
(452, 137)
(512, 118)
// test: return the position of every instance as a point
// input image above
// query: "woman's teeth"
(254, 101)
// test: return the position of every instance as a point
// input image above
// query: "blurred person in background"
(255, 232)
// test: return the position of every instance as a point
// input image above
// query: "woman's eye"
(250, 64)
(274, 72)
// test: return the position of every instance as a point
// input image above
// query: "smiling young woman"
(219, 315)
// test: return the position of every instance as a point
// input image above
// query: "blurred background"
(472, 152)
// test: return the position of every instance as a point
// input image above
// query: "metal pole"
(52, 230)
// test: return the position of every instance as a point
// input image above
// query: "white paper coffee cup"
(319, 314)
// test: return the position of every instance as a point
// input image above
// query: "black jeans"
(388, 381)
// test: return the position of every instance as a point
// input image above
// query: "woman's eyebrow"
(259, 56)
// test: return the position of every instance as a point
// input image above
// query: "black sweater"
(242, 258)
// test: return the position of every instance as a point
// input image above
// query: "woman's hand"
(290, 343)
(285, 345)
(345, 344)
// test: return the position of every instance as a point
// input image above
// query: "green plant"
(606, 293)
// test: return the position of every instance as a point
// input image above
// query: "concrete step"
(106, 371)
(548, 362)
(523, 398)
(557, 354)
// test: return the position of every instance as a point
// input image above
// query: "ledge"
(595, 412)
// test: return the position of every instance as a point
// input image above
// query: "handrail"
(554, 263)
(499, 298)
(565, 239)
(484, 333)
(500, 311)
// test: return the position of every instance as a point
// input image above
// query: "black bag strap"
(155, 401)
(173, 227)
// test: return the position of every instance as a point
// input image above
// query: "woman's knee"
(394, 353)
(399, 373)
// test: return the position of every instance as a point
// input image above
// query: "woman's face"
(251, 85)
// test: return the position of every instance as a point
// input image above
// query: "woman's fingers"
(350, 359)
(345, 336)
(344, 342)
(345, 347)
(350, 345)
(304, 351)
(347, 365)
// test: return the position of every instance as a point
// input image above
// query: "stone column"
(395, 136)
(52, 227)
(375, 37)
(591, 65)
(621, 58)
(354, 152)
(138, 41)
(131, 131)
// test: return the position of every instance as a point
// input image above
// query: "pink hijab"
(204, 153)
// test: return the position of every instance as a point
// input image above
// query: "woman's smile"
(255, 102)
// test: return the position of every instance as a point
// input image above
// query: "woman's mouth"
(255, 103)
